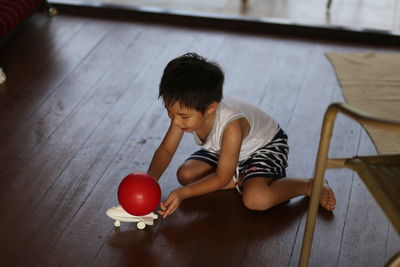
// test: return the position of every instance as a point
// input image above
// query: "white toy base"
(120, 215)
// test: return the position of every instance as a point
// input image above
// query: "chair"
(380, 173)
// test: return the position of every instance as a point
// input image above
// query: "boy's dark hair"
(193, 81)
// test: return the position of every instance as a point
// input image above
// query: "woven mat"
(371, 82)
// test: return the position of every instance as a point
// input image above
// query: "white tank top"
(262, 127)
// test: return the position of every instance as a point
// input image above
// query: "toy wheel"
(117, 223)
(141, 225)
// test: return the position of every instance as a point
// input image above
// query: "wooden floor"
(79, 111)
(371, 14)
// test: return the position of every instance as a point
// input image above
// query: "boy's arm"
(232, 139)
(166, 150)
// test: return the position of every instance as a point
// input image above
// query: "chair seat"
(381, 175)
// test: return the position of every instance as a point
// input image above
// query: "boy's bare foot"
(327, 199)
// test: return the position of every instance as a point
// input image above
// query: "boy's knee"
(257, 201)
(184, 175)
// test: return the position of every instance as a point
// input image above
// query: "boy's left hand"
(172, 203)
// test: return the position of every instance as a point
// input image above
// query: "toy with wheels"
(120, 215)
(139, 195)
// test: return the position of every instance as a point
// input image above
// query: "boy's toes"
(331, 205)
(328, 200)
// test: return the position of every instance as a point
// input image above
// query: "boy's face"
(189, 120)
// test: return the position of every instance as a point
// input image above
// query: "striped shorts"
(269, 161)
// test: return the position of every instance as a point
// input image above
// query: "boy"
(241, 145)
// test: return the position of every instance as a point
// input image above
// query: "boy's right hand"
(172, 203)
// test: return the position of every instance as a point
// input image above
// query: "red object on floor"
(13, 12)
(139, 194)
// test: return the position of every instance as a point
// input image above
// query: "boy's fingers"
(170, 210)
(162, 206)
(168, 201)
(161, 212)
(164, 209)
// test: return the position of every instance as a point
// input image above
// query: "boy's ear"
(212, 108)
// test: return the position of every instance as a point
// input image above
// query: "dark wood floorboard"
(45, 40)
(79, 111)
(49, 38)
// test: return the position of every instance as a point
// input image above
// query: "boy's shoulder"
(235, 105)
(230, 109)
(236, 102)
(233, 108)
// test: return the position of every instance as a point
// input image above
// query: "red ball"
(139, 193)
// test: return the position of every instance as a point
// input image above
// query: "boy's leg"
(197, 166)
(193, 170)
(263, 193)
(265, 184)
